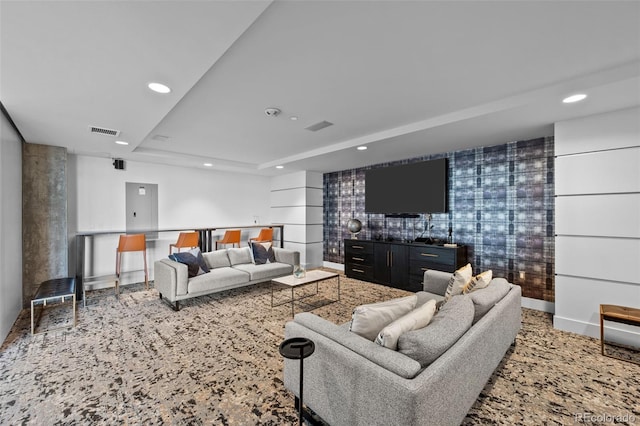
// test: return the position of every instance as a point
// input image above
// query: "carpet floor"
(216, 362)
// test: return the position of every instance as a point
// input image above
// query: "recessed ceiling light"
(361, 148)
(122, 143)
(293, 118)
(574, 98)
(159, 88)
(208, 164)
(279, 167)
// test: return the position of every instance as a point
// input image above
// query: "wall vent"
(319, 126)
(103, 131)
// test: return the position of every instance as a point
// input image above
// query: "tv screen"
(407, 189)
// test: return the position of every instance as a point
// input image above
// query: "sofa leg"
(175, 306)
(310, 417)
(160, 296)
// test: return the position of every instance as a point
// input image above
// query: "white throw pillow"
(368, 320)
(479, 281)
(458, 281)
(414, 320)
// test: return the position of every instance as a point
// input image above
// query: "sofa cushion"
(188, 259)
(239, 255)
(198, 255)
(217, 259)
(368, 320)
(484, 299)
(414, 320)
(458, 281)
(389, 360)
(481, 280)
(217, 278)
(262, 252)
(446, 327)
(266, 271)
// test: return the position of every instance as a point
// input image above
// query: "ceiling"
(403, 78)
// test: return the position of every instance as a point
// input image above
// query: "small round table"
(298, 348)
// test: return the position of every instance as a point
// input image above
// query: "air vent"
(103, 131)
(319, 126)
(160, 138)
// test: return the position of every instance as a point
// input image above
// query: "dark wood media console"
(399, 265)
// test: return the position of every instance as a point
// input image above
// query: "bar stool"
(266, 234)
(231, 236)
(135, 242)
(185, 240)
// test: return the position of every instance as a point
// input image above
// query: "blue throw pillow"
(198, 255)
(262, 253)
(189, 260)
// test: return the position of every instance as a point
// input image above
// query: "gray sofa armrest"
(170, 278)
(436, 282)
(290, 257)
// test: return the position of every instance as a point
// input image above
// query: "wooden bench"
(51, 290)
(620, 314)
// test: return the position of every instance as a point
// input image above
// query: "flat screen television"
(407, 189)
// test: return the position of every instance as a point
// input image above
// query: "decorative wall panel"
(501, 206)
(597, 189)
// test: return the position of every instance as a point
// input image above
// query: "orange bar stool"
(266, 234)
(231, 236)
(135, 242)
(185, 240)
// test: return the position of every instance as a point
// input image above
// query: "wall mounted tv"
(407, 189)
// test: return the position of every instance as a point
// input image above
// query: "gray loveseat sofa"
(229, 268)
(350, 380)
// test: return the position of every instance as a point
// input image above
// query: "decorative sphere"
(354, 226)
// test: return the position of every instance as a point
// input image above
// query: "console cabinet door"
(391, 265)
(381, 271)
(399, 266)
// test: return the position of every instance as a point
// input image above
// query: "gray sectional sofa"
(229, 268)
(350, 380)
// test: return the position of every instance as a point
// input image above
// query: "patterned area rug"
(216, 361)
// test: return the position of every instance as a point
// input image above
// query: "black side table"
(298, 348)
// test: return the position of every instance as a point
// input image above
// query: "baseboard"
(332, 265)
(538, 305)
(613, 331)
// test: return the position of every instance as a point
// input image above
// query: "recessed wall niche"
(501, 206)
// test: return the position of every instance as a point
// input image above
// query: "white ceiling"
(404, 78)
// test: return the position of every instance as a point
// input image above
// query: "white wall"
(187, 198)
(10, 226)
(597, 184)
(296, 202)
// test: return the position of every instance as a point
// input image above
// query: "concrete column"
(44, 216)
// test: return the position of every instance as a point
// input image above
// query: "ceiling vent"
(319, 126)
(103, 131)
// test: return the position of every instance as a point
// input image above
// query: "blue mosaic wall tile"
(501, 206)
